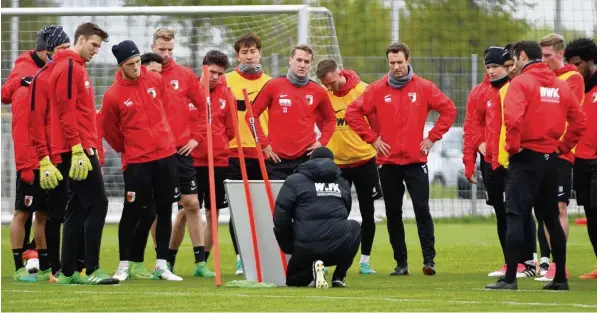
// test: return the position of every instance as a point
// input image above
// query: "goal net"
(198, 30)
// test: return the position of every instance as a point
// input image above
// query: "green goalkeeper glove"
(49, 174)
(80, 164)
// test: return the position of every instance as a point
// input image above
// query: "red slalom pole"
(268, 187)
(245, 176)
(212, 187)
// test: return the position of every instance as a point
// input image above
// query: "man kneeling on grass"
(311, 222)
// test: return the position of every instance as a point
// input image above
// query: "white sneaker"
(32, 266)
(165, 274)
(319, 275)
(122, 273)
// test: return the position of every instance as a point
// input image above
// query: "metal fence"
(348, 36)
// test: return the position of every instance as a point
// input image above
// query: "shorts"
(495, 184)
(151, 182)
(253, 169)
(564, 180)
(30, 198)
(585, 181)
(186, 176)
(220, 174)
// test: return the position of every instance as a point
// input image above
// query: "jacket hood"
(121, 81)
(565, 69)
(352, 80)
(26, 58)
(541, 72)
(324, 170)
(69, 54)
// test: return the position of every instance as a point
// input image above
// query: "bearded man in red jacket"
(398, 104)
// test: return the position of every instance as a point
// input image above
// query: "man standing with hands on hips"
(398, 104)
(293, 100)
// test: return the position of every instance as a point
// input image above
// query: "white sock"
(545, 260)
(364, 258)
(124, 264)
(238, 258)
(159, 263)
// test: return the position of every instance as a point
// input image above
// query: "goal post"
(305, 16)
(198, 30)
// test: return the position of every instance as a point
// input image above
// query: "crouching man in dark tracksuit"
(311, 222)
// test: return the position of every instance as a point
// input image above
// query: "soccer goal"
(198, 30)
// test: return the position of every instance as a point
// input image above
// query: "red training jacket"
(474, 122)
(576, 82)
(537, 106)
(293, 112)
(587, 146)
(73, 101)
(16, 95)
(183, 89)
(400, 117)
(222, 128)
(100, 136)
(40, 118)
(134, 121)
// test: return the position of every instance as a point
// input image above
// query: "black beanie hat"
(495, 55)
(322, 153)
(124, 51)
(50, 37)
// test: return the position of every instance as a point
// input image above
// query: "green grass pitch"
(466, 252)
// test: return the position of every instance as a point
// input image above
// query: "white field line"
(387, 299)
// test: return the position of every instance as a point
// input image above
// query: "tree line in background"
(442, 34)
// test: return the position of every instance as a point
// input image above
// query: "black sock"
(18, 256)
(199, 252)
(44, 260)
(172, 254)
(80, 266)
(206, 255)
(156, 251)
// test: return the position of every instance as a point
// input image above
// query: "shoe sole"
(544, 279)
(563, 288)
(496, 274)
(400, 274)
(140, 277)
(320, 281)
(428, 271)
